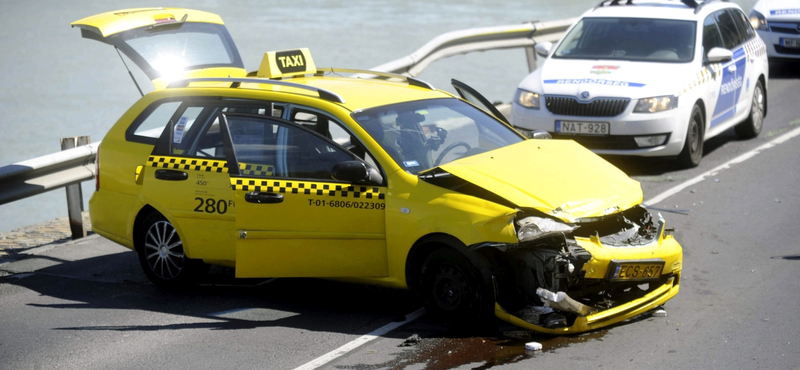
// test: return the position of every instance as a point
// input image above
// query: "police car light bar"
(411, 80)
(236, 82)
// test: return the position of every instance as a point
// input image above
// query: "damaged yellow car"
(299, 171)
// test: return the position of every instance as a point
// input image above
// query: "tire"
(454, 290)
(692, 151)
(751, 127)
(162, 256)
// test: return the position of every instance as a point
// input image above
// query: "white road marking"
(676, 189)
(332, 355)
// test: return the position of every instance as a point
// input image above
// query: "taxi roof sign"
(277, 64)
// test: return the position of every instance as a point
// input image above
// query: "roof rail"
(236, 82)
(411, 80)
(694, 4)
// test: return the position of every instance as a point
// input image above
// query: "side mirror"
(719, 55)
(543, 135)
(543, 48)
(356, 172)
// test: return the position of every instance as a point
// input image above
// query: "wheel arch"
(426, 245)
(138, 223)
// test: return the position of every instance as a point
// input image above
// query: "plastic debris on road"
(660, 313)
(533, 346)
(411, 341)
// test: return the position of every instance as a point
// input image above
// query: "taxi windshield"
(636, 39)
(423, 134)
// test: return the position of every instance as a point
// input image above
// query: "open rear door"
(469, 94)
(168, 43)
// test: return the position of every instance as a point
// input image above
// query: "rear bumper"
(604, 318)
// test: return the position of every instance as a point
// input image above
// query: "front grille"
(785, 28)
(783, 50)
(601, 107)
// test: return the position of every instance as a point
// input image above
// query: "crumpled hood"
(609, 78)
(557, 177)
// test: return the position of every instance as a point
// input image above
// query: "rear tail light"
(97, 170)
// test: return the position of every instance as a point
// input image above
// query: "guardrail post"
(74, 193)
(530, 54)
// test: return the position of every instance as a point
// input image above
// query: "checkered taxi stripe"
(208, 166)
(188, 164)
(309, 188)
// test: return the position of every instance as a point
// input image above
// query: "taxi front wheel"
(453, 288)
(162, 256)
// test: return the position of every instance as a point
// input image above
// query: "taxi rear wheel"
(751, 127)
(692, 151)
(162, 256)
(453, 288)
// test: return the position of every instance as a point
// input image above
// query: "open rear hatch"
(168, 43)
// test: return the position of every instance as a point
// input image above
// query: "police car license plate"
(790, 43)
(635, 270)
(583, 128)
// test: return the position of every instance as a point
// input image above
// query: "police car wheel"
(162, 256)
(692, 151)
(751, 127)
(453, 289)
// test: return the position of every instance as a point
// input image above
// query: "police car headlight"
(758, 21)
(527, 99)
(656, 104)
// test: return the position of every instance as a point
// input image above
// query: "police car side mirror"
(719, 55)
(356, 172)
(543, 48)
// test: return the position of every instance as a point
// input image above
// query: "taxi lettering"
(292, 61)
(210, 205)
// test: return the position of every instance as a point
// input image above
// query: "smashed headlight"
(530, 228)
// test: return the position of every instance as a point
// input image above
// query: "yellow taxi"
(295, 170)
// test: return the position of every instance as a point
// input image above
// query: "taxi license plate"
(790, 43)
(583, 128)
(635, 270)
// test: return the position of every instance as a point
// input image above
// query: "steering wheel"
(448, 149)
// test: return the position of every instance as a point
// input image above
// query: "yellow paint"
(110, 23)
(360, 232)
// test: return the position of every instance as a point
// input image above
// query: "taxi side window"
(183, 129)
(332, 129)
(276, 149)
(711, 38)
(148, 127)
(730, 32)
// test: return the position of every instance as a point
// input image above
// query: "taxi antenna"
(129, 71)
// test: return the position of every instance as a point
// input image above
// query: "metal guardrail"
(525, 35)
(72, 166)
(35, 176)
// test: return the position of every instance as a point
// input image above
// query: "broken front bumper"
(603, 318)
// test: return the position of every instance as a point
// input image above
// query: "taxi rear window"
(147, 128)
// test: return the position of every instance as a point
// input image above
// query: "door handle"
(171, 175)
(732, 68)
(261, 198)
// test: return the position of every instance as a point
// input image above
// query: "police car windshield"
(420, 135)
(637, 39)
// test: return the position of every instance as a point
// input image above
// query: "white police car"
(778, 24)
(649, 78)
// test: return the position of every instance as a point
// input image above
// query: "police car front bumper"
(638, 134)
(774, 48)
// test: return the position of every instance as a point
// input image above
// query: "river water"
(56, 84)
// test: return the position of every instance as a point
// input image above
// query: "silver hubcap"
(757, 113)
(163, 250)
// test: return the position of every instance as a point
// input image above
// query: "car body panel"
(782, 26)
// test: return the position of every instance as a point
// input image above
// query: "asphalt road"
(86, 305)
